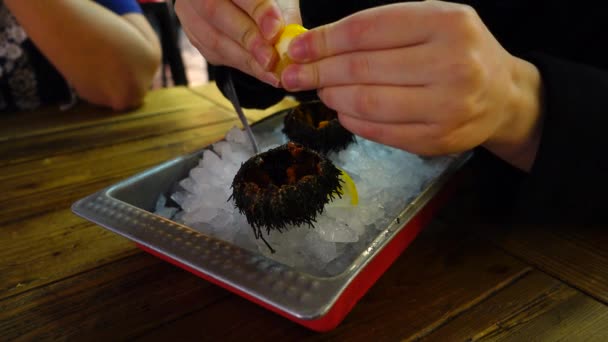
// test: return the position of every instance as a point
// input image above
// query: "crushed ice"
(387, 179)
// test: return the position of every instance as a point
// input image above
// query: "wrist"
(517, 139)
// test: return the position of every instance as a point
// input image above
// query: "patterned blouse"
(27, 79)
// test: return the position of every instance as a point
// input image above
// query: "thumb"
(291, 11)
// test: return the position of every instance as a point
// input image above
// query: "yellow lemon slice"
(348, 188)
(287, 35)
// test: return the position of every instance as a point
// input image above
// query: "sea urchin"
(316, 126)
(287, 185)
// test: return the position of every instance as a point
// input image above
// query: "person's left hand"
(426, 77)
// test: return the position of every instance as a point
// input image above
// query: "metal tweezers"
(230, 92)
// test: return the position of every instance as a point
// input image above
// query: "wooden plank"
(53, 183)
(577, 319)
(46, 248)
(39, 176)
(52, 120)
(535, 308)
(440, 276)
(110, 303)
(44, 146)
(576, 255)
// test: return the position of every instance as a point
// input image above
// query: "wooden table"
(62, 277)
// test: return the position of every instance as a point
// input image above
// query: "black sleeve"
(567, 183)
(568, 179)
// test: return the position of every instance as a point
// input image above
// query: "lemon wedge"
(349, 190)
(287, 35)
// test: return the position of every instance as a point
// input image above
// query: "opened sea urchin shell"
(316, 126)
(287, 185)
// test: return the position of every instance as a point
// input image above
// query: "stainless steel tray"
(127, 207)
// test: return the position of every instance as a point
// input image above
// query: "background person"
(102, 51)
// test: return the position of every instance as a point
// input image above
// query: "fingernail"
(291, 77)
(298, 49)
(271, 79)
(263, 54)
(271, 27)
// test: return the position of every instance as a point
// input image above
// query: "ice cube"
(189, 185)
(323, 251)
(200, 215)
(223, 149)
(212, 162)
(179, 197)
(222, 220)
(335, 231)
(191, 203)
(223, 228)
(160, 202)
(235, 135)
(166, 212)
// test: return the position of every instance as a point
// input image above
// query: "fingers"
(384, 104)
(403, 136)
(234, 24)
(291, 11)
(418, 138)
(241, 28)
(266, 14)
(271, 16)
(383, 27)
(193, 24)
(415, 65)
(217, 47)
(228, 19)
(414, 119)
(232, 54)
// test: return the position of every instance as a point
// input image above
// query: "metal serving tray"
(319, 303)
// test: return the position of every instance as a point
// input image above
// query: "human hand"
(426, 77)
(238, 33)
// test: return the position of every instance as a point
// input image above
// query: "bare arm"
(110, 60)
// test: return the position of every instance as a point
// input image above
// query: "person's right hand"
(238, 33)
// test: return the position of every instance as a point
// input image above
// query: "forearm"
(518, 137)
(109, 60)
